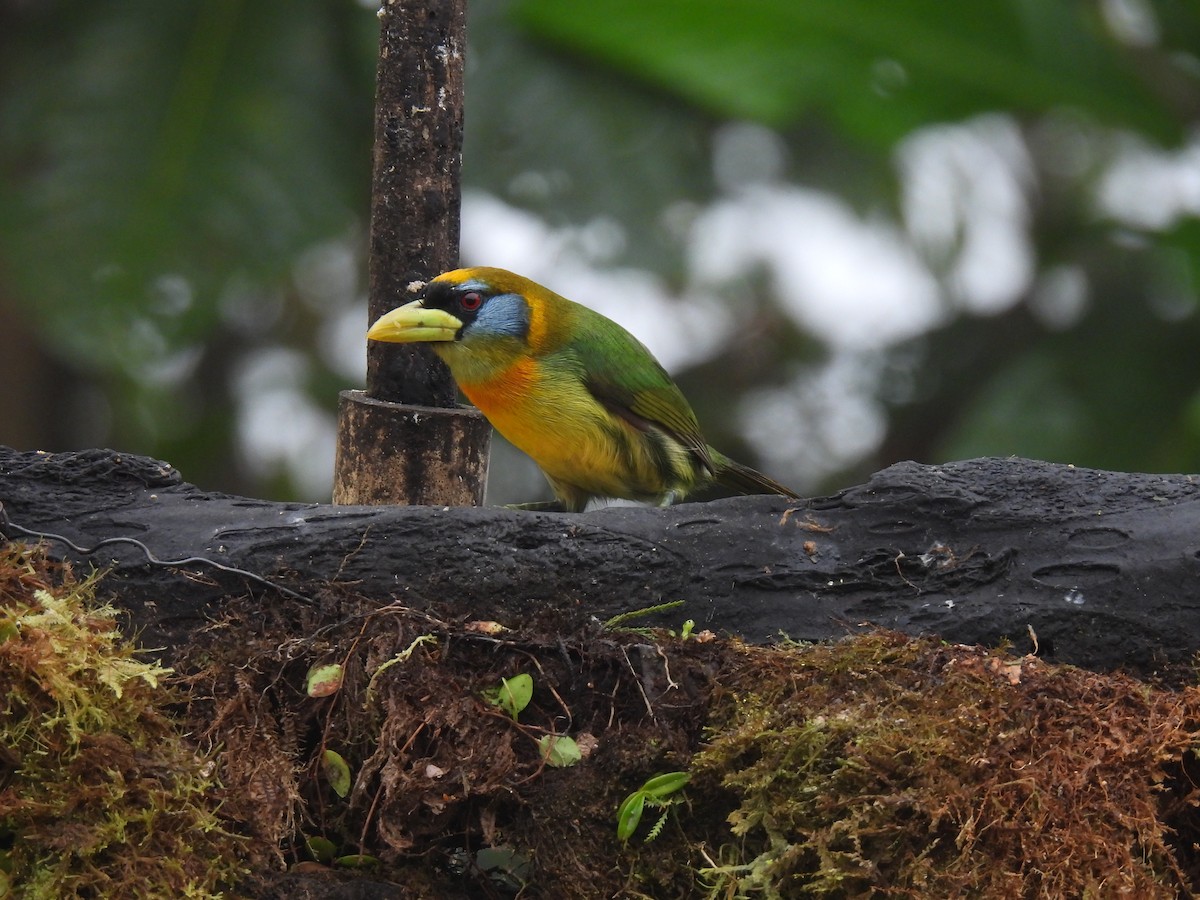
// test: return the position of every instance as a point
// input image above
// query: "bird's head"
(464, 305)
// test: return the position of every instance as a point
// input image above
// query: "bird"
(569, 387)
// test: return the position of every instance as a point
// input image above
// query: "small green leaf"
(356, 861)
(652, 793)
(323, 680)
(513, 694)
(322, 849)
(630, 814)
(661, 786)
(559, 751)
(337, 773)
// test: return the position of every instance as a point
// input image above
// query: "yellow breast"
(561, 426)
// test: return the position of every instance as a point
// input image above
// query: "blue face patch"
(506, 314)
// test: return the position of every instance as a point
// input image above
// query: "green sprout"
(512, 694)
(337, 772)
(655, 793)
(559, 751)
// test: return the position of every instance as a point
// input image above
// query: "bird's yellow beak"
(412, 323)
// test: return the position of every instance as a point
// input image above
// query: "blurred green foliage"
(164, 168)
(201, 139)
(174, 179)
(874, 70)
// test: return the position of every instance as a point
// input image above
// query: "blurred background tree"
(856, 232)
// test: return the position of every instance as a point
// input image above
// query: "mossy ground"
(878, 766)
(892, 767)
(100, 796)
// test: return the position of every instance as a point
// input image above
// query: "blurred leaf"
(1113, 392)
(661, 786)
(512, 694)
(1026, 411)
(356, 861)
(163, 167)
(322, 849)
(877, 69)
(1183, 243)
(323, 680)
(337, 772)
(559, 750)
(629, 814)
(574, 145)
(175, 140)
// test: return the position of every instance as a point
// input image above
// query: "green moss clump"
(99, 794)
(883, 766)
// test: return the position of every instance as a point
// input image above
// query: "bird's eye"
(471, 301)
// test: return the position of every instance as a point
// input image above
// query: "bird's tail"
(744, 479)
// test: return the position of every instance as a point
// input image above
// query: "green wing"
(622, 375)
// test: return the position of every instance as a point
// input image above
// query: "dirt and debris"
(880, 765)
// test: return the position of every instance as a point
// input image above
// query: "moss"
(886, 766)
(100, 796)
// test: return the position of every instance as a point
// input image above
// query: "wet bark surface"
(415, 183)
(1103, 567)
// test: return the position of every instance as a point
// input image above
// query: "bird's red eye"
(471, 301)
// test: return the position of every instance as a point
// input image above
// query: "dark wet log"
(1102, 566)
